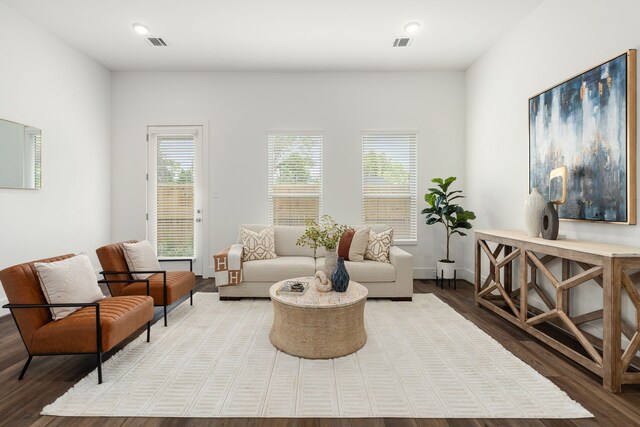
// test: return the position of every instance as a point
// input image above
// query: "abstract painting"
(587, 123)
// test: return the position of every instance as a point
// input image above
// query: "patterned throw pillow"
(379, 245)
(261, 245)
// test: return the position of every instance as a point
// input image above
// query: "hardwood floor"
(50, 377)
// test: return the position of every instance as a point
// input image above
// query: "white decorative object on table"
(322, 283)
(533, 208)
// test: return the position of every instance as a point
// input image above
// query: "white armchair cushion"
(141, 256)
(71, 280)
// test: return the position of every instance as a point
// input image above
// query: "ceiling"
(278, 35)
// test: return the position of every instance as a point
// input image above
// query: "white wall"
(557, 40)
(46, 84)
(241, 107)
(11, 155)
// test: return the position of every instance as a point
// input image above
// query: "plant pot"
(446, 270)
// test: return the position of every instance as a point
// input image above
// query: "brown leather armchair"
(166, 287)
(94, 329)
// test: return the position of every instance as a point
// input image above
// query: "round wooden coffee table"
(318, 325)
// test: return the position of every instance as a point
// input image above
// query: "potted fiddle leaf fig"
(454, 218)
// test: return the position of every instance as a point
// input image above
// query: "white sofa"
(383, 280)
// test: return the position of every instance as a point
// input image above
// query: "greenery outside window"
(389, 187)
(295, 177)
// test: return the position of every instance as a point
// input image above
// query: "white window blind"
(33, 160)
(295, 177)
(175, 161)
(389, 173)
(37, 161)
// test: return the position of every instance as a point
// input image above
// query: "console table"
(518, 262)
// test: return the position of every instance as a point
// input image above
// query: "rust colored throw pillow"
(345, 243)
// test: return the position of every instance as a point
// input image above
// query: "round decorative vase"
(340, 277)
(533, 209)
(550, 222)
(446, 270)
(330, 260)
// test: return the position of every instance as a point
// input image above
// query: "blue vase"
(340, 277)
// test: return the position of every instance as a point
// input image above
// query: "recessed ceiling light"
(412, 27)
(141, 29)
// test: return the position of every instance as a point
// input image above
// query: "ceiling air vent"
(402, 42)
(157, 41)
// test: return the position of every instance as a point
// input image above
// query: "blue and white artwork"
(582, 124)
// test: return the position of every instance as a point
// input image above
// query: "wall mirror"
(20, 156)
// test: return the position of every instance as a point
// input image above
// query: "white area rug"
(422, 359)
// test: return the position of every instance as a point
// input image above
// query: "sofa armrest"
(402, 261)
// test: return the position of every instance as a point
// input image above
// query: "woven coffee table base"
(318, 333)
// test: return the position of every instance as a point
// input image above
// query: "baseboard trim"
(421, 273)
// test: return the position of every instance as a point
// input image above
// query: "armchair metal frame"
(98, 351)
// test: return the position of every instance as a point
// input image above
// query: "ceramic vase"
(330, 260)
(340, 277)
(533, 210)
(550, 222)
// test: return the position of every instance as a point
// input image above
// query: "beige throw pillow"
(379, 245)
(359, 245)
(141, 256)
(256, 246)
(71, 280)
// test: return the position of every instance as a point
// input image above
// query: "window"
(389, 170)
(295, 177)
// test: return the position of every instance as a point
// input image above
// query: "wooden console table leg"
(611, 358)
(566, 274)
(524, 286)
(508, 272)
(478, 272)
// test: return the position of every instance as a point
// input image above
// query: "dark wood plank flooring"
(50, 377)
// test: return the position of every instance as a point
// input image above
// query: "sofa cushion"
(366, 271)
(281, 268)
(286, 238)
